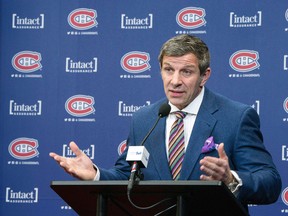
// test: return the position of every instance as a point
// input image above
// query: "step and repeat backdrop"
(78, 70)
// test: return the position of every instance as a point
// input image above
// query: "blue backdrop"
(78, 70)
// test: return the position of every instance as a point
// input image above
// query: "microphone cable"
(151, 206)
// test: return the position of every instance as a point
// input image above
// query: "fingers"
(221, 152)
(216, 168)
(62, 161)
(75, 149)
(212, 167)
(80, 167)
(55, 156)
(52, 154)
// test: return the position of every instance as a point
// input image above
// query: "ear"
(205, 76)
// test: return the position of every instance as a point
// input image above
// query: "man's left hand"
(216, 168)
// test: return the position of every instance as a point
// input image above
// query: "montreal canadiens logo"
(82, 19)
(191, 17)
(285, 105)
(23, 148)
(285, 196)
(244, 60)
(80, 105)
(27, 61)
(135, 62)
(122, 147)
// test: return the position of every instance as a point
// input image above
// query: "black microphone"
(139, 154)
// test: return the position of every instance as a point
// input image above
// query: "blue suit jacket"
(235, 124)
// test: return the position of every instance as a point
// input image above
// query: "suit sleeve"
(253, 163)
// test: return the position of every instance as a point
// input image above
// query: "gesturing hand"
(80, 167)
(216, 168)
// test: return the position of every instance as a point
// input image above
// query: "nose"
(176, 79)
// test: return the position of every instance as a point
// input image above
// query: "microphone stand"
(136, 174)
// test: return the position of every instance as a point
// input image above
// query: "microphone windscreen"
(164, 110)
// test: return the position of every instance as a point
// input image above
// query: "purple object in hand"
(209, 145)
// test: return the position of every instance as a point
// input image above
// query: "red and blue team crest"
(122, 147)
(285, 196)
(244, 60)
(27, 61)
(191, 17)
(23, 148)
(82, 19)
(80, 105)
(285, 105)
(135, 62)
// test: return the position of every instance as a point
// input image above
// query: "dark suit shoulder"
(151, 110)
(217, 101)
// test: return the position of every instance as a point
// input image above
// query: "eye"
(168, 70)
(186, 73)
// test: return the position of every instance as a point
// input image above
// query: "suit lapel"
(202, 129)
(158, 151)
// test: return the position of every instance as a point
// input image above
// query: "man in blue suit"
(237, 155)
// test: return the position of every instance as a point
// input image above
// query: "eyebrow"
(185, 66)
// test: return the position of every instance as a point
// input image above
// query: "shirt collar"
(193, 107)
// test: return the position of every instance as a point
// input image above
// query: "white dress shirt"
(192, 111)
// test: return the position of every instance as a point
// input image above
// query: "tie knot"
(180, 114)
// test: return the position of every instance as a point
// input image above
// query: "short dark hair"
(184, 44)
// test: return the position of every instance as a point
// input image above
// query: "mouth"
(176, 93)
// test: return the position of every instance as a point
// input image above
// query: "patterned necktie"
(176, 145)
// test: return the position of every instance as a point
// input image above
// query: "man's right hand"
(80, 166)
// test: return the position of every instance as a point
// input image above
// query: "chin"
(177, 103)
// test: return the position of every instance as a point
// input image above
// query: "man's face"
(181, 79)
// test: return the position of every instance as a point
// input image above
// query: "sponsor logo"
(27, 23)
(122, 146)
(80, 66)
(190, 20)
(239, 21)
(82, 19)
(191, 17)
(128, 110)
(67, 152)
(25, 109)
(27, 61)
(21, 197)
(244, 60)
(256, 106)
(136, 23)
(23, 148)
(135, 62)
(80, 106)
(284, 153)
(285, 62)
(284, 196)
